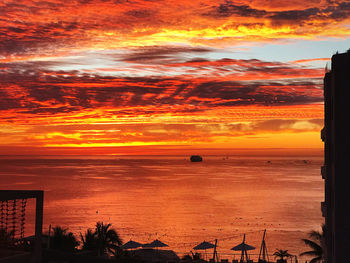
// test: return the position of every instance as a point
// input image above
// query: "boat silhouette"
(196, 158)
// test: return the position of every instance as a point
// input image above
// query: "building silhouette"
(336, 169)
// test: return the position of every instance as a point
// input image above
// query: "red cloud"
(46, 27)
(28, 90)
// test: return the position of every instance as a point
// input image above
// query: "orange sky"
(124, 76)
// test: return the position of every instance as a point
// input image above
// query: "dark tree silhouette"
(281, 254)
(63, 240)
(108, 240)
(89, 240)
(102, 241)
(315, 244)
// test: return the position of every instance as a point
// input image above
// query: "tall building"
(336, 169)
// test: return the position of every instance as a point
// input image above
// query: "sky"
(165, 76)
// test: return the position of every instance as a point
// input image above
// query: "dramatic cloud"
(336, 11)
(47, 27)
(97, 73)
(228, 9)
(159, 54)
(29, 88)
(97, 135)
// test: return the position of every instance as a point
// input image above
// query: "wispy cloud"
(42, 27)
(112, 72)
(32, 89)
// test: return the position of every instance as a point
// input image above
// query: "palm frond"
(107, 238)
(317, 235)
(313, 245)
(280, 253)
(316, 260)
(309, 253)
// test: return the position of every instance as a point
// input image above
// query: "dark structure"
(8, 195)
(336, 169)
(196, 158)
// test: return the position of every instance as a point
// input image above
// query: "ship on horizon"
(196, 158)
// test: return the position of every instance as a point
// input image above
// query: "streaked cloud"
(154, 133)
(43, 27)
(31, 88)
(118, 73)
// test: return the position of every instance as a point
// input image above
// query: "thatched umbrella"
(243, 247)
(204, 246)
(131, 245)
(155, 244)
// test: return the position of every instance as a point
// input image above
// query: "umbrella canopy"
(131, 244)
(243, 246)
(155, 243)
(204, 245)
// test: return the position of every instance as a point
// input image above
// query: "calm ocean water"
(179, 202)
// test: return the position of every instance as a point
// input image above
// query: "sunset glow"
(154, 77)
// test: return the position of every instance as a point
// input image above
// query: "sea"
(176, 201)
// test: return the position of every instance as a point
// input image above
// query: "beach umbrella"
(156, 243)
(204, 245)
(243, 247)
(131, 244)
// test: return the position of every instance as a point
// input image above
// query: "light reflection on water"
(179, 202)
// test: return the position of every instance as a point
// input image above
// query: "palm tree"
(103, 240)
(63, 240)
(89, 240)
(315, 245)
(108, 239)
(281, 254)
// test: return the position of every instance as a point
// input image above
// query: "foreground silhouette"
(281, 254)
(63, 240)
(315, 244)
(103, 241)
(194, 257)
